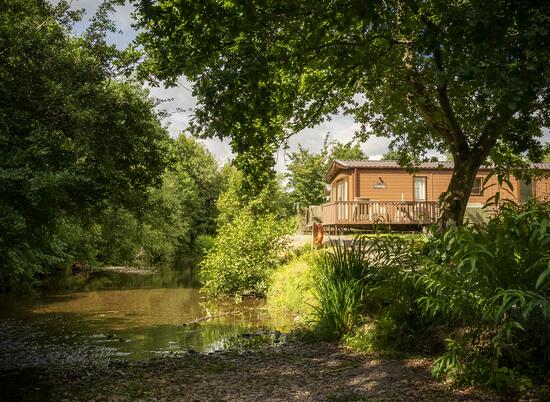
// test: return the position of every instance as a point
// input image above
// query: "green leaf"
(542, 277)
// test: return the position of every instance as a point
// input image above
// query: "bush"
(486, 288)
(203, 243)
(492, 282)
(244, 254)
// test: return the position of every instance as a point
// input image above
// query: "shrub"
(484, 287)
(244, 254)
(203, 243)
(493, 283)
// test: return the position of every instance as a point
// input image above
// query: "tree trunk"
(454, 201)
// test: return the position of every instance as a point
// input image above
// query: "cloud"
(339, 128)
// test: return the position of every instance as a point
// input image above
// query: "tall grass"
(339, 289)
(359, 279)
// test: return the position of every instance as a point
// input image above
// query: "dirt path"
(295, 371)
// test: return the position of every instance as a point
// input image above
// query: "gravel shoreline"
(295, 371)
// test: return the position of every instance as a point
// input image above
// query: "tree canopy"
(74, 140)
(464, 77)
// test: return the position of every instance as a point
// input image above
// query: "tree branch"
(458, 141)
(427, 108)
(489, 136)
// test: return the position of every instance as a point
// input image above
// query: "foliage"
(195, 170)
(306, 176)
(406, 158)
(174, 218)
(244, 254)
(250, 239)
(272, 199)
(452, 76)
(79, 242)
(485, 288)
(339, 289)
(391, 155)
(347, 151)
(84, 168)
(119, 240)
(365, 280)
(291, 287)
(74, 140)
(203, 243)
(493, 280)
(183, 208)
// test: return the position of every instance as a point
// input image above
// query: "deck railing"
(379, 212)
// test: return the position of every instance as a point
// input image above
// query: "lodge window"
(419, 187)
(477, 188)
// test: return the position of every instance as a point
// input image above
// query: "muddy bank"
(292, 371)
(129, 270)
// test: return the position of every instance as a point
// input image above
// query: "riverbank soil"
(293, 371)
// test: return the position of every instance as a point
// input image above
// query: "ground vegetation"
(478, 293)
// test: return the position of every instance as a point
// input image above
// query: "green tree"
(272, 199)
(74, 140)
(391, 155)
(306, 170)
(175, 215)
(346, 151)
(196, 169)
(250, 239)
(306, 176)
(458, 76)
(244, 254)
(408, 159)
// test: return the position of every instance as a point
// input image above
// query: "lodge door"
(342, 198)
(525, 191)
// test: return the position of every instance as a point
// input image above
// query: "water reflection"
(181, 275)
(133, 317)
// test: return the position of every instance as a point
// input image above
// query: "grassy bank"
(291, 288)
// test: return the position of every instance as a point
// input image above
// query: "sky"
(180, 103)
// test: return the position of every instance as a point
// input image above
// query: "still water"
(127, 316)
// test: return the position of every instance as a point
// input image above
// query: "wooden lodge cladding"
(368, 192)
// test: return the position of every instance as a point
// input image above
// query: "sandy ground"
(294, 371)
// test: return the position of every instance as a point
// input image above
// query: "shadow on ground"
(295, 371)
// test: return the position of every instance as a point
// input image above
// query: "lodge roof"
(390, 164)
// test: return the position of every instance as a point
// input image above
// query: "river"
(127, 316)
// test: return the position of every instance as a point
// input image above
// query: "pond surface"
(127, 316)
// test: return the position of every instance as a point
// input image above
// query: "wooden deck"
(362, 213)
